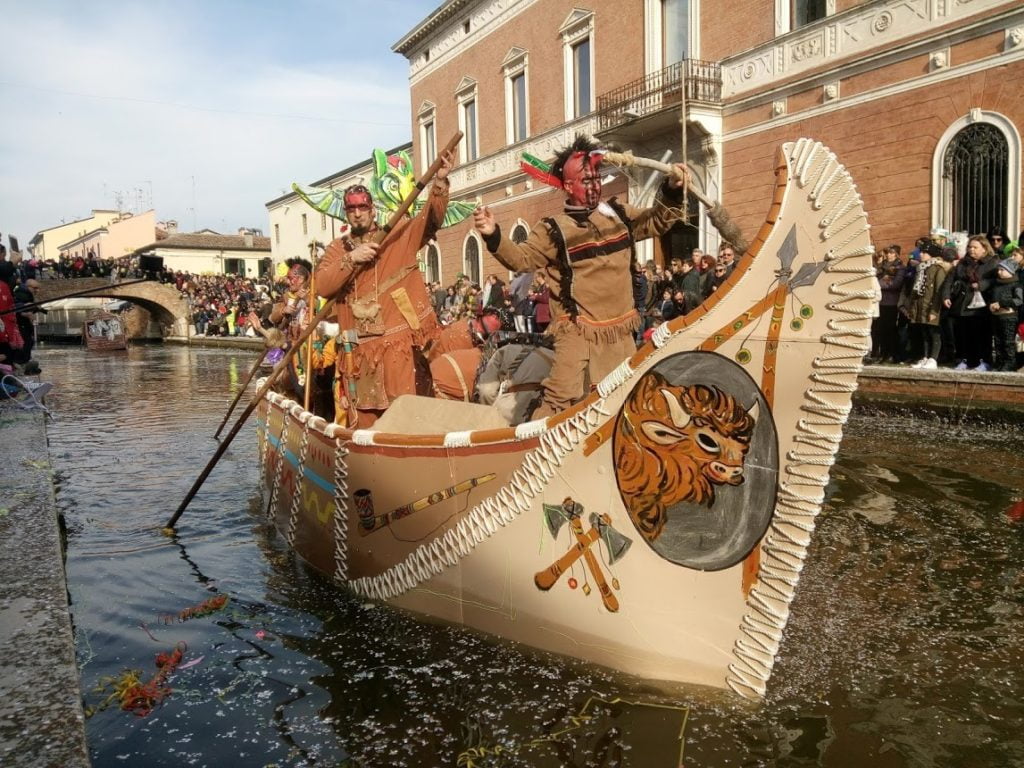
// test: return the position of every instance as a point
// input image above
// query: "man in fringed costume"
(586, 252)
(291, 315)
(385, 313)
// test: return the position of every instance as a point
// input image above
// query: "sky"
(201, 109)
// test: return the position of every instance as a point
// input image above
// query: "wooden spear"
(716, 213)
(33, 305)
(308, 388)
(323, 314)
(252, 372)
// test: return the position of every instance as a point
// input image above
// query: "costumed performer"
(587, 253)
(385, 314)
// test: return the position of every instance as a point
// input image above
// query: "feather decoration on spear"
(538, 169)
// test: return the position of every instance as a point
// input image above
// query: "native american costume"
(587, 257)
(385, 313)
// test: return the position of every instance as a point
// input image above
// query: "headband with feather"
(538, 169)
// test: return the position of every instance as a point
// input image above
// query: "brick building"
(922, 100)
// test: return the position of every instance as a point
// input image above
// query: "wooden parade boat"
(104, 330)
(658, 527)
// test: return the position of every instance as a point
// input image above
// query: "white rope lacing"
(488, 517)
(661, 335)
(531, 429)
(363, 436)
(615, 379)
(457, 439)
(805, 471)
(293, 516)
(279, 470)
(341, 513)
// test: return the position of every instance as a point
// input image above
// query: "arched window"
(433, 263)
(520, 233)
(471, 259)
(975, 173)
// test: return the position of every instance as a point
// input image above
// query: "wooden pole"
(310, 310)
(685, 159)
(252, 372)
(323, 314)
(33, 305)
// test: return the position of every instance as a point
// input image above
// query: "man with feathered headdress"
(586, 252)
(385, 314)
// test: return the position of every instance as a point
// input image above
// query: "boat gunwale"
(530, 431)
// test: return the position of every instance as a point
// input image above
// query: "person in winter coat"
(10, 335)
(1005, 299)
(972, 326)
(884, 337)
(540, 295)
(925, 304)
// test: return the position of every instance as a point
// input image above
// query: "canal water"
(904, 648)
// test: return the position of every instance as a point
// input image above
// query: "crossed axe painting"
(695, 454)
(600, 529)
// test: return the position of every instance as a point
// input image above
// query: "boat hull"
(659, 527)
(104, 331)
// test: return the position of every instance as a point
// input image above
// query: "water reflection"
(902, 649)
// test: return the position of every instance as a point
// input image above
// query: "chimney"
(248, 240)
(171, 227)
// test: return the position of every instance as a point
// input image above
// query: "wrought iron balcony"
(660, 91)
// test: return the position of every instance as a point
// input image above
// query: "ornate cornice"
(857, 31)
(444, 34)
(489, 170)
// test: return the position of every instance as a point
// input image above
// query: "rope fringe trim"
(819, 432)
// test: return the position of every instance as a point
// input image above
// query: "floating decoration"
(389, 184)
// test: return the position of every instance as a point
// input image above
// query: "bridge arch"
(163, 301)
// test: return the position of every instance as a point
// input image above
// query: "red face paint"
(581, 179)
(358, 199)
(359, 210)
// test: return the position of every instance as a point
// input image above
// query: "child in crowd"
(1005, 299)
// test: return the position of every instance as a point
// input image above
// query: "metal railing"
(661, 90)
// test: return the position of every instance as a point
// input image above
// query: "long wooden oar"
(245, 385)
(76, 294)
(323, 314)
(308, 388)
(281, 366)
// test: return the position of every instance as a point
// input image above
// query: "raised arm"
(533, 254)
(437, 199)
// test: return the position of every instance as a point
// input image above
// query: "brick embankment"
(961, 395)
(41, 718)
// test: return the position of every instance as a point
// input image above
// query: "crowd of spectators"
(221, 304)
(939, 306)
(949, 306)
(659, 293)
(662, 294)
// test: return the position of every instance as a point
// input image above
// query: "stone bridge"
(162, 301)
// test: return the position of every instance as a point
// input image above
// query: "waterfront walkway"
(41, 718)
